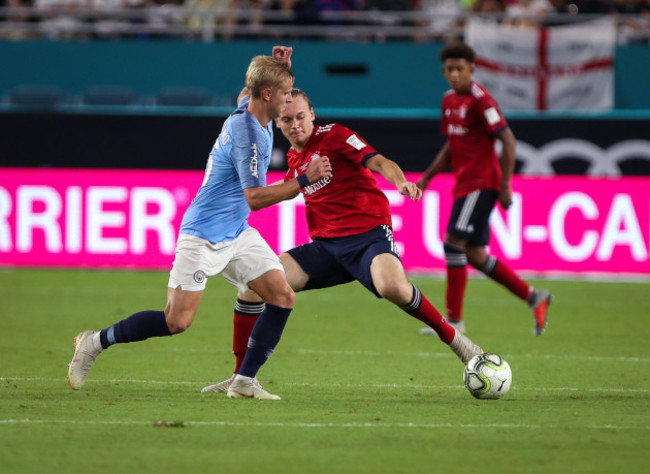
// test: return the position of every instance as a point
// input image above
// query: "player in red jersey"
(472, 121)
(349, 222)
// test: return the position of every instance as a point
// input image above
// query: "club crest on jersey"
(253, 164)
(462, 112)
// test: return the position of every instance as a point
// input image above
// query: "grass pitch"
(362, 391)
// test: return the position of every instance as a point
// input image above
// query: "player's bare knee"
(178, 323)
(285, 298)
(395, 292)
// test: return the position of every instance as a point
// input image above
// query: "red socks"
(420, 308)
(502, 274)
(245, 317)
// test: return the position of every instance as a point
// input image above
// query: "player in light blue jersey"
(239, 159)
(215, 238)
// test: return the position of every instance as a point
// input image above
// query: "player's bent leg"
(390, 280)
(274, 289)
(247, 310)
(457, 325)
(295, 275)
(178, 315)
(181, 308)
(272, 286)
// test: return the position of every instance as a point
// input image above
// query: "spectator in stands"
(443, 18)
(526, 13)
(61, 19)
(585, 6)
(381, 14)
(325, 6)
(490, 8)
(111, 17)
(162, 15)
(633, 28)
(205, 16)
(20, 13)
(296, 12)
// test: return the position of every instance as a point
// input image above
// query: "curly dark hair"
(457, 51)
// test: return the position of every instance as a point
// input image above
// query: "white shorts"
(238, 261)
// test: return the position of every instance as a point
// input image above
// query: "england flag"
(545, 68)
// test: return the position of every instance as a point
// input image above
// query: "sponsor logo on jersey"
(492, 116)
(456, 130)
(253, 164)
(324, 129)
(355, 142)
(312, 188)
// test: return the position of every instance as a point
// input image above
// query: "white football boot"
(249, 387)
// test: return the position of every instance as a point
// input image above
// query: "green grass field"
(363, 391)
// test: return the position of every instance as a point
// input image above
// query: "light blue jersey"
(239, 159)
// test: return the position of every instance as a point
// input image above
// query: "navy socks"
(265, 336)
(137, 327)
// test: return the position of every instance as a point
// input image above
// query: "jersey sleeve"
(249, 149)
(491, 115)
(345, 142)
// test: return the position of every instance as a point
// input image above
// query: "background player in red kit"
(349, 222)
(471, 120)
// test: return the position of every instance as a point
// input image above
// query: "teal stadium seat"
(110, 95)
(185, 96)
(36, 95)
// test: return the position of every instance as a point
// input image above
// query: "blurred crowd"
(415, 20)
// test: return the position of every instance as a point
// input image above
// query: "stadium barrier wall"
(335, 74)
(605, 144)
(129, 219)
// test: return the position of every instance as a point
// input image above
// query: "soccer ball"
(487, 376)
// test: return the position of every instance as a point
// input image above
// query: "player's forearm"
(388, 169)
(438, 165)
(508, 157)
(265, 196)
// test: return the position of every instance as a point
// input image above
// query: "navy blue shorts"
(470, 217)
(331, 262)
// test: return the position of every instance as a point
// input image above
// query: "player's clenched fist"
(283, 54)
(318, 169)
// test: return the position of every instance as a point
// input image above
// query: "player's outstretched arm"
(394, 175)
(438, 165)
(265, 196)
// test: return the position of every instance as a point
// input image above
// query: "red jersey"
(349, 202)
(470, 122)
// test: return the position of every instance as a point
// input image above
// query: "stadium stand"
(42, 95)
(185, 96)
(110, 95)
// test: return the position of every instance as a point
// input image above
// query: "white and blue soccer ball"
(487, 376)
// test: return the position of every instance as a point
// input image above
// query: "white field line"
(335, 385)
(586, 358)
(472, 426)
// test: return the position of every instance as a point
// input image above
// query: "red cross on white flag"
(546, 68)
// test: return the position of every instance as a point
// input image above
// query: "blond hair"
(266, 71)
